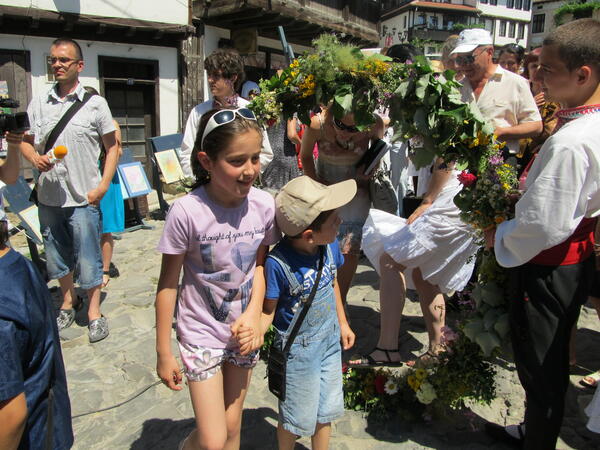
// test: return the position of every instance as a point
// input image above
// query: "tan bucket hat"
(301, 201)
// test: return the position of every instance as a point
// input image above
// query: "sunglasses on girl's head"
(343, 127)
(225, 116)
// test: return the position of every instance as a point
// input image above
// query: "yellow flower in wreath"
(499, 219)
(420, 374)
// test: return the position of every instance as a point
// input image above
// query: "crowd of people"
(285, 256)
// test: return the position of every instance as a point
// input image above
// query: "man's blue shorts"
(72, 242)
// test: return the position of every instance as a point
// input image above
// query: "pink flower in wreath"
(448, 335)
(466, 178)
(380, 383)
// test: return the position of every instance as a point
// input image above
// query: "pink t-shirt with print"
(220, 246)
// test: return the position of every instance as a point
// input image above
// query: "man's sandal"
(591, 380)
(424, 360)
(367, 361)
(105, 278)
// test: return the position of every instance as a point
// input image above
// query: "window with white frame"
(521, 32)
(502, 31)
(511, 29)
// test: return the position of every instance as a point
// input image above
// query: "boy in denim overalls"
(306, 214)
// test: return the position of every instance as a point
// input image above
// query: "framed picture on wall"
(169, 166)
(134, 178)
(30, 218)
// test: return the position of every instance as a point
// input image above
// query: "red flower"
(380, 383)
(271, 122)
(466, 178)
(344, 368)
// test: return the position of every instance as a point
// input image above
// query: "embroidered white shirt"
(562, 187)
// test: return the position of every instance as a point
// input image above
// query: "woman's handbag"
(277, 362)
(382, 192)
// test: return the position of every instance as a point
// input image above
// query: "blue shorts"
(313, 382)
(72, 243)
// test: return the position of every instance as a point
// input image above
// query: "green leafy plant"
(579, 11)
(331, 73)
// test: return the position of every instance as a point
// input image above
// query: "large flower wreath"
(425, 108)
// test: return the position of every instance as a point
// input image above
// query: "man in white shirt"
(550, 240)
(503, 97)
(69, 191)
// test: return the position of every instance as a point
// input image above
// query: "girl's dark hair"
(216, 141)
(513, 49)
(227, 62)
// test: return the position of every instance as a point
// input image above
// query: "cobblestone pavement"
(115, 369)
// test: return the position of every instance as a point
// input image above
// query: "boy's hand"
(347, 336)
(244, 325)
(168, 370)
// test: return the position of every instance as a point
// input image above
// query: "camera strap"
(64, 120)
(313, 292)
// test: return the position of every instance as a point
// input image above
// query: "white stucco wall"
(169, 11)
(167, 68)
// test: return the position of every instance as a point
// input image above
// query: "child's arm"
(166, 296)
(345, 330)
(268, 314)
(250, 319)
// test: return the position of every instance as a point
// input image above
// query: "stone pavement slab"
(115, 369)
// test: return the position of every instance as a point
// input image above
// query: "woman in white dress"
(432, 251)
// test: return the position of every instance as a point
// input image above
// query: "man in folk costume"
(549, 243)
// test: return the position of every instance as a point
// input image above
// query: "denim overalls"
(314, 365)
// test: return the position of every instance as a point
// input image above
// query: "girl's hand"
(347, 336)
(418, 212)
(168, 370)
(244, 325)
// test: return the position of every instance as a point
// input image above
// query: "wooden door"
(15, 70)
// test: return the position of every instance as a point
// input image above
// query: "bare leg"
(320, 440)
(94, 299)
(218, 404)
(346, 273)
(285, 439)
(235, 382)
(392, 294)
(107, 245)
(67, 288)
(433, 307)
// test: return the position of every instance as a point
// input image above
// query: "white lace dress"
(437, 242)
(593, 412)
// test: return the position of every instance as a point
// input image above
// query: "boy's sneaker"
(98, 329)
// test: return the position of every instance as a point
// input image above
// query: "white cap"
(470, 39)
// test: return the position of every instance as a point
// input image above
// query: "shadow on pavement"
(166, 434)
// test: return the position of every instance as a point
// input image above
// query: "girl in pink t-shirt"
(219, 234)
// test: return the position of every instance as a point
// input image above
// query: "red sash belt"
(574, 250)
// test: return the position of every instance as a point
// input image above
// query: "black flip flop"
(371, 362)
